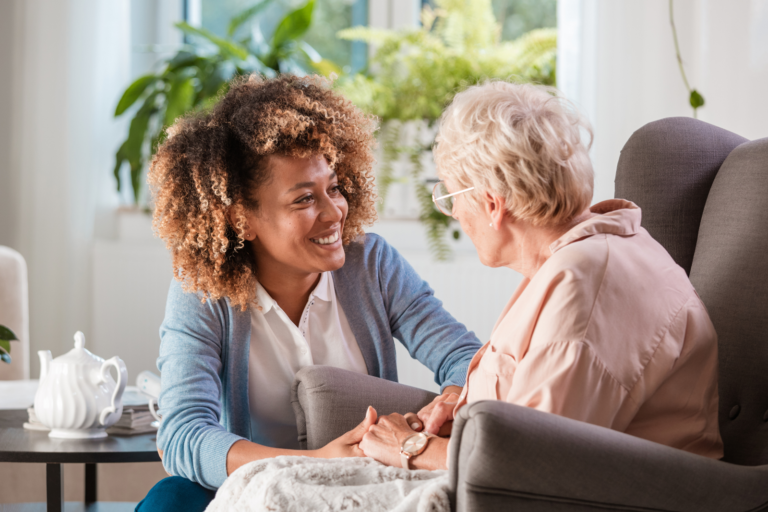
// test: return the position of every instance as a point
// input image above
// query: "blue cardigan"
(204, 354)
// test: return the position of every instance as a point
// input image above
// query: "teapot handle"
(122, 378)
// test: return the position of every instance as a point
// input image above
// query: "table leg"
(90, 483)
(54, 487)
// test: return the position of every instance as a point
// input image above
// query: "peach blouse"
(609, 331)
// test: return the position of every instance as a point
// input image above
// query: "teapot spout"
(45, 361)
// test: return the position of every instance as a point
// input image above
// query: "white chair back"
(14, 312)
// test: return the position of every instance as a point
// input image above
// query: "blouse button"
(735, 410)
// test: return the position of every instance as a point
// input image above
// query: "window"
(516, 17)
(329, 17)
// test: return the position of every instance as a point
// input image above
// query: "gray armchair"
(704, 195)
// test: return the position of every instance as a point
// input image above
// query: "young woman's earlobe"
(247, 233)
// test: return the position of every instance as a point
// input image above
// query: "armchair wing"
(329, 402)
(507, 457)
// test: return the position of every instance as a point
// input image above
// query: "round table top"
(18, 444)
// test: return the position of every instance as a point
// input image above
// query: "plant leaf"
(697, 100)
(136, 168)
(310, 52)
(5, 345)
(6, 358)
(227, 47)
(7, 334)
(119, 160)
(183, 59)
(131, 150)
(245, 15)
(294, 25)
(179, 99)
(325, 67)
(138, 130)
(133, 93)
(376, 36)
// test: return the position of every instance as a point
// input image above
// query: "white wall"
(627, 73)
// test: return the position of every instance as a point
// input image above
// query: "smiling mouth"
(327, 240)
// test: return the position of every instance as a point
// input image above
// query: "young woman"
(262, 203)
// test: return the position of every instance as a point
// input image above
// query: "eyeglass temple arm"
(455, 193)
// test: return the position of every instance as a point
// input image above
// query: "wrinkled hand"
(347, 445)
(384, 439)
(437, 417)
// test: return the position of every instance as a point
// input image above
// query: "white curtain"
(69, 60)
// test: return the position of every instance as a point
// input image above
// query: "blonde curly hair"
(522, 142)
(212, 164)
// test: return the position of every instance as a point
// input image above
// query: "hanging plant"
(415, 73)
(695, 98)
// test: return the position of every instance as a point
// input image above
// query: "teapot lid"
(79, 354)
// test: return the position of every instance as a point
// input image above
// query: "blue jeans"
(176, 494)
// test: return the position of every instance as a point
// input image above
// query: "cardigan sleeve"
(194, 443)
(417, 318)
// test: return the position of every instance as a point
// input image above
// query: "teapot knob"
(79, 339)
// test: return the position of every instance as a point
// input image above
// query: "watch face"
(414, 444)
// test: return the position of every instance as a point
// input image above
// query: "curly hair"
(522, 142)
(211, 165)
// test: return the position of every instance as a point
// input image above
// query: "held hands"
(347, 445)
(384, 439)
(437, 417)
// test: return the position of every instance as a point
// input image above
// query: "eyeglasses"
(444, 199)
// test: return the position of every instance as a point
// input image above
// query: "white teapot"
(77, 397)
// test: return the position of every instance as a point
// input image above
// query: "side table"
(20, 445)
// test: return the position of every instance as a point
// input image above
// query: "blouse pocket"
(499, 369)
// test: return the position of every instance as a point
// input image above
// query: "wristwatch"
(412, 446)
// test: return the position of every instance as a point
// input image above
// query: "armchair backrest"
(704, 195)
(666, 168)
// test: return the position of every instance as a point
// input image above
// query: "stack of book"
(136, 418)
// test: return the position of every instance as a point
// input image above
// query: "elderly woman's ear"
(495, 208)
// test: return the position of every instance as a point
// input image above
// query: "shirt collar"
(323, 291)
(614, 216)
(264, 300)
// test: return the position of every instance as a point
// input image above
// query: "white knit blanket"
(288, 484)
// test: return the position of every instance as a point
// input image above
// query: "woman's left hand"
(347, 445)
(384, 439)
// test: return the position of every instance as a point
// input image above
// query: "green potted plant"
(6, 337)
(414, 75)
(198, 74)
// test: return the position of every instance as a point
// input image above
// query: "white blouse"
(279, 349)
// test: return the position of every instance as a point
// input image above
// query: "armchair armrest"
(505, 457)
(329, 401)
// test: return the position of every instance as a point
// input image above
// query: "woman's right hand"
(437, 417)
(347, 445)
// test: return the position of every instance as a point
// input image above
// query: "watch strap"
(404, 459)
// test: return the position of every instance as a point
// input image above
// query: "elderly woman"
(605, 328)
(262, 203)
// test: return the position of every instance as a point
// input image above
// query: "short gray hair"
(522, 142)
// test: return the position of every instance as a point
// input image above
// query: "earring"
(490, 225)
